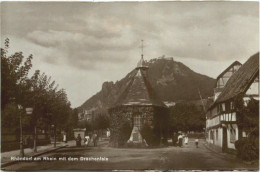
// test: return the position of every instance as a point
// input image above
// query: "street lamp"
(28, 112)
(54, 131)
(21, 131)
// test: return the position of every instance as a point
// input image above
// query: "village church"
(137, 105)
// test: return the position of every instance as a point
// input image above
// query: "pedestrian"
(95, 139)
(64, 138)
(197, 142)
(86, 140)
(78, 140)
(180, 139)
(186, 140)
(108, 133)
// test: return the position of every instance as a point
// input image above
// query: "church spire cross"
(142, 48)
(141, 63)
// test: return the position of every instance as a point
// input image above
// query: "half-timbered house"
(221, 126)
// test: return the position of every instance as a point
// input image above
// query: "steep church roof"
(138, 90)
(240, 81)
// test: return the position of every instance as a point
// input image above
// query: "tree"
(161, 125)
(247, 115)
(187, 117)
(73, 122)
(102, 122)
(9, 118)
(14, 72)
(50, 105)
(60, 111)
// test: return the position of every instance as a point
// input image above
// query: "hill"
(172, 80)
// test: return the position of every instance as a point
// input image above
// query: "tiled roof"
(138, 91)
(227, 69)
(240, 81)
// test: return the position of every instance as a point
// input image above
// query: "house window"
(232, 106)
(216, 134)
(137, 121)
(232, 135)
(244, 134)
(227, 104)
(223, 107)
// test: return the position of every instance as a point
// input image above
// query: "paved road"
(188, 157)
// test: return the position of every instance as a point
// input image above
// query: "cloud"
(100, 41)
(80, 50)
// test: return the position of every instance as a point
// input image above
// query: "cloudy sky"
(83, 44)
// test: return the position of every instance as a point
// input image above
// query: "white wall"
(215, 141)
(253, 89)
(229, 144)
(218, 142)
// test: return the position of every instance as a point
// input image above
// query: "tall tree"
(14, 72)
(187, 117)
(50, 105)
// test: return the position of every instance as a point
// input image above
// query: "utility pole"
(202, 101)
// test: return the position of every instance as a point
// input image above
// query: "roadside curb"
(35, 155)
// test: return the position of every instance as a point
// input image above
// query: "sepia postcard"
(130, 85)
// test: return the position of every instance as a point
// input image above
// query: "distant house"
(136, 106)
(86, 115)
(221, 126)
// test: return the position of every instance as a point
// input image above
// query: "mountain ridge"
(172, 80)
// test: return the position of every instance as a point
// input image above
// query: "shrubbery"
(248, 121)
(124, 134)
(147, 134)
(151, 137)
(247, 148)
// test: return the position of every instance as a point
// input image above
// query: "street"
(186, 158)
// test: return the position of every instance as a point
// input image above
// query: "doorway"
(224, 141)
